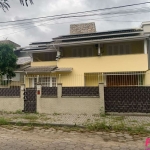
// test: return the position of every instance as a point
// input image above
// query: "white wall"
(11, 104)
(69, 105)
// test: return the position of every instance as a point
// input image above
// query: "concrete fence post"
(38, 94)
(102, 100)
(22, 95)
(59, 90)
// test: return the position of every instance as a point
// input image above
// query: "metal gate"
(30, 100)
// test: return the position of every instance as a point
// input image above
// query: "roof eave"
(103, 40)
(138, 32)
(39, 51)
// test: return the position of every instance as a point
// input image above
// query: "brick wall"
(82, 28)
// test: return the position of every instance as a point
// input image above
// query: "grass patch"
(147, 124)
(30, 117)
(120, 118)
(133, 121)
(18, 112)
(9, 127)
(98, 126)
(27, 128)
(4, 121)
(103, 115)
(56, 114)
(119, 127)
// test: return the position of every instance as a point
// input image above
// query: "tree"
(7, 60)
(4, 4)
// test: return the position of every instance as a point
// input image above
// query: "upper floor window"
(118, 49)
(82, 51)
(49, 56)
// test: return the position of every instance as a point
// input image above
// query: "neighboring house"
(23, 62)
(119, 57)
(16, 46)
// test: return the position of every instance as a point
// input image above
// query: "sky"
(40, 32)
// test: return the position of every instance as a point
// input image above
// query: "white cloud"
(56, 7)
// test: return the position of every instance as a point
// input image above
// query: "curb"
(45, 124)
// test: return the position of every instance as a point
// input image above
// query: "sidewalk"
(38, 138)
(75, 119)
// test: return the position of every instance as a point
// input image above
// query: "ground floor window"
(124, 80)
(44, 81)
(115, 79)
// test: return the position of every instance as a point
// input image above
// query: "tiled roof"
(47, 69)
(22, 69)
(9, 42)
(40, 69)
(23, 60)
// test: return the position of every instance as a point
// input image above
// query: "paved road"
(50, 139)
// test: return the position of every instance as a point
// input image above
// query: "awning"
(63, 70)
(43, 69)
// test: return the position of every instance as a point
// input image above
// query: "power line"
(147, 9)
(103, 9)
(62, 23)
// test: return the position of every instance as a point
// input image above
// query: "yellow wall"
(122, 63)
(119, 63)
(44, 63)
(93, 79)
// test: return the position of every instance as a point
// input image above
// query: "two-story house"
(86, 57)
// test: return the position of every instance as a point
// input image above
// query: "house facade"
(86, 58)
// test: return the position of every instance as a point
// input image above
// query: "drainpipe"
(99, 49)
(149, 53)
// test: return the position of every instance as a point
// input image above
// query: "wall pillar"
(147, 78)
(145, 46)
(22, 95)
(39, 90)
(148, 53)
(59, 90)
(102, 100)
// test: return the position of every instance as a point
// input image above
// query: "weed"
(56, 114)
(9, 127)
(102, 115)
(30, 117)
(4, 121)
(18, 112)
(26, 128)
(120, 118)
(45, 118)
(96, 115)
(133, 121)
(98, 126)
(147, 124)
(19, 123)
(119, 127)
